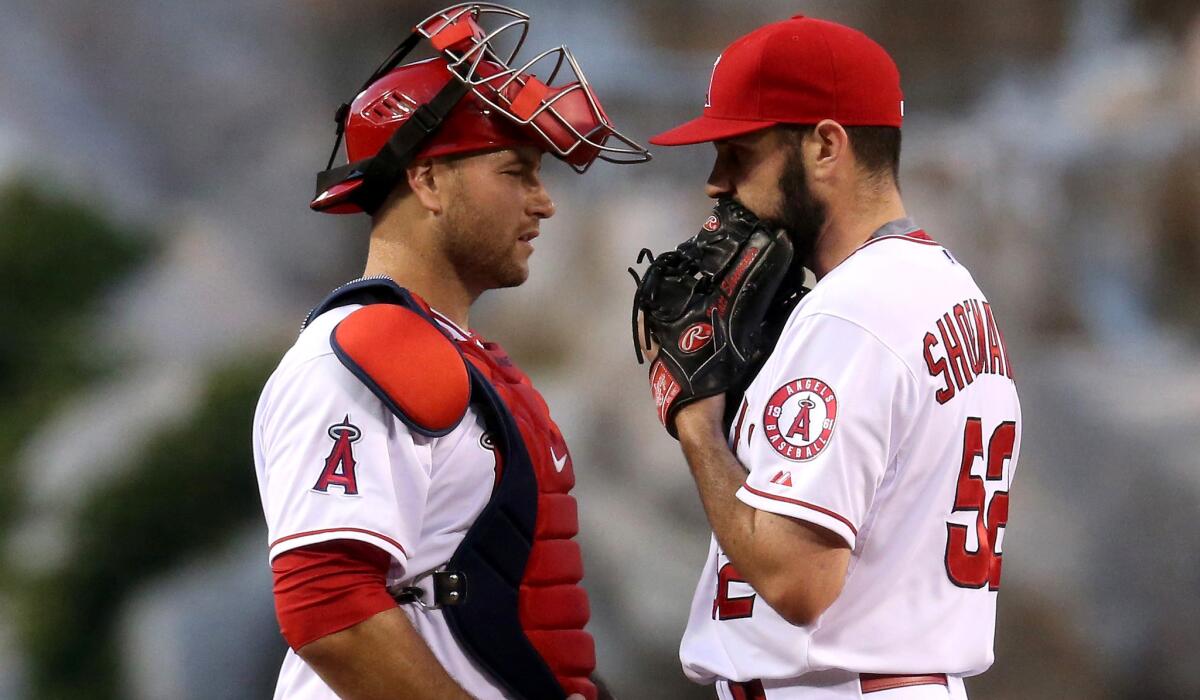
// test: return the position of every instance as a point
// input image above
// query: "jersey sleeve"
(827, 411)
(337, 464)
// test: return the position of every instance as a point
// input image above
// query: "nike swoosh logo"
(559, 462)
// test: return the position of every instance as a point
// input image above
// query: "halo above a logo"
(799, 418)
(695, 337)
(346, 428)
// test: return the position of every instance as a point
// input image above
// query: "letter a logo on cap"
(708, 95)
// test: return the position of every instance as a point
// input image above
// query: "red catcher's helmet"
(387, 103)
(468, 99)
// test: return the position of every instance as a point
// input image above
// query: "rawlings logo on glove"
(695, 337)
(715, 306)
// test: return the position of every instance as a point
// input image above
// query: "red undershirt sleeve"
(327, 587)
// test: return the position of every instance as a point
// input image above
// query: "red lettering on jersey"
(970, 350)
(750, 690)
(995, 354)
(954, 351)
(937, 367)
(1008, 368)
(980, 365)
(973, 346)
(339, 465)
(975, 569)
(726, 607)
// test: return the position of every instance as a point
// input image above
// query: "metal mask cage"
(568, 116)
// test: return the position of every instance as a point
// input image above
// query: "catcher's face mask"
(561, 113)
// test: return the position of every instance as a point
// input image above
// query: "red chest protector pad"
(524, 611)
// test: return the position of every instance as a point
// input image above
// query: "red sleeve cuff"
(328, 587)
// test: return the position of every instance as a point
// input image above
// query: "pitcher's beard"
(800, 214)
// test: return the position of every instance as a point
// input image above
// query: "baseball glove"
(715, 306)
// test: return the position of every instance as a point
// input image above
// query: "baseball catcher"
(714, 306)
(416, 489)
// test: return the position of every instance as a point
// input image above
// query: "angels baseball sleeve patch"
(799, 418)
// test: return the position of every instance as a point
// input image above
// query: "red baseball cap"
(798, 71)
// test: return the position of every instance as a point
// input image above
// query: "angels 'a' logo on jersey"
(339, 465)
(799, 418)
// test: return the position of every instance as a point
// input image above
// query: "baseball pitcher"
(853, 444)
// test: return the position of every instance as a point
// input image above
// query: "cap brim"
(336, 199)
(704, 129)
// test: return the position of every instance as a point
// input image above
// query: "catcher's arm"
(380, 657)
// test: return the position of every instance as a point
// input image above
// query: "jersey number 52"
(974, 569)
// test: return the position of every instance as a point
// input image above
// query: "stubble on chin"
(483, 257)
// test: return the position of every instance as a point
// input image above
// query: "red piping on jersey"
(465, 334)
(917, 236)
(914, 237)
(385, 538)
(802, 504)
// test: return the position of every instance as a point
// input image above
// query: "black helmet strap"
(381, 172)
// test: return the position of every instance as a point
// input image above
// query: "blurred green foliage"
(57, 260)
(190, 489)
(185, 490)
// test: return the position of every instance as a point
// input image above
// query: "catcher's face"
(494, 205)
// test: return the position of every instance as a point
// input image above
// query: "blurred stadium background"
(157, 254)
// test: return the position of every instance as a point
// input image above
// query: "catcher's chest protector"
(524, 610)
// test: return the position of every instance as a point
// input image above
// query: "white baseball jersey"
(334, 463)
(887, 414)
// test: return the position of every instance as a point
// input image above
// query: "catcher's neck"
(411, 258)
(850, 223)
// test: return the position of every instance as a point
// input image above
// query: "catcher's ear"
(427, 181)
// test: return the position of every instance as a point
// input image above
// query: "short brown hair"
(876, 147)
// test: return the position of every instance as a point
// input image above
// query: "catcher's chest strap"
(515, 603)
(552, 608)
